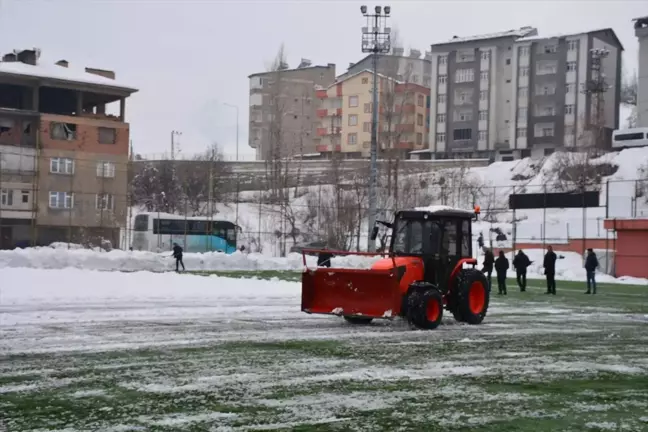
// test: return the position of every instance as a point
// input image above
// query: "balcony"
(322, 132)
(405, 127)
(405, 145)
(323, 148)
(321, 94)
(322, 113)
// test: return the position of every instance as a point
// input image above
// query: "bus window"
(196, 226)
(141, 223)
(231, 235)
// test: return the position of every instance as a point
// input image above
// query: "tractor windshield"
(416, 237)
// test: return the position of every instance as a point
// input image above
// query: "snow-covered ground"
(112, 351)
(570, 267)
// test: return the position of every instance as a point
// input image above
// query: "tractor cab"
(439, 236)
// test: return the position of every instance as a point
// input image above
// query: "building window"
(463, 96)
(105, 202)
(353, 120)
(524, 71)
(569, 109)
(483, 95)
(464, 75)
(366, 127)
(427, 81)
(6, 197)
(547, 131)
(353, 101)
(365, 80)
(442, 79)
(465, 56)
(523, 51)
(420, 100)
(570, 88)
(61, 200)
(441, 118)
(483, 115)
(463, 116)
(522, 113)
(521, 132)
(419, 138)
(485, 55)
(25, 196)
(62, 166)
(549, 49)
(415, 79)
(483, 76)
(572, 45)
(352, 139)
(483, 135)
(440, 137)
(508, 61)
(443, 60)
(462, 134)
(419, 119)
(107, 135)
(545, 90)
(367, 108)
(523, 92)
(63, 131)
(571, 66)
(441, 98)
(546, 67)
(569, 130)
(105, 169)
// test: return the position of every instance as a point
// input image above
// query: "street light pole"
(375, 40)
(237, 127)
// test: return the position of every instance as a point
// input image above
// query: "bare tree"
(629, 86)
(205, 169)
(642, 182)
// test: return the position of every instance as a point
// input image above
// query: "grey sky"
(188, 57)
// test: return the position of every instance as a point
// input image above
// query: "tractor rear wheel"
(471, 297)
(358, 320)
(427, 312)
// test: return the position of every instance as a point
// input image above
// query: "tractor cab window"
(449, 239)
(416, 237)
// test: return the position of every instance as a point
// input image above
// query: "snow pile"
(119, 260)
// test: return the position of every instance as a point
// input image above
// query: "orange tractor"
(426, 270)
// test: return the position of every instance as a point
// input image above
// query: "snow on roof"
(532, 38)
(443, 208)
(347, 77)
(521, 32)
(53, 71)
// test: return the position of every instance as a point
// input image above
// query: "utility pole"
(375, 40)
(174, 133)
(237, 128)
(595, 88)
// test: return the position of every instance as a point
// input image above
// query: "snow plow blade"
(351, 292)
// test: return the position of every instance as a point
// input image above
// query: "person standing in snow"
(520, 263)
(177, 254)
(501, 266)
(550, 270)
(591, 264)
(489, 261)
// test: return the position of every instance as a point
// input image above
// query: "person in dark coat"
(489, 261)
(501, 266)
(591, 264)
(521, 262)
(550, 270)
(324, 258)
(177, 254)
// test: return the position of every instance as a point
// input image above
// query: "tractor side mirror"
(374, 233)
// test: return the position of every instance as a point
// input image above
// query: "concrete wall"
(641, 31)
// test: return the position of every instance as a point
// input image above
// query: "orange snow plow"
(422, 274)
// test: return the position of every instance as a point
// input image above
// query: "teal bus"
(157, 232)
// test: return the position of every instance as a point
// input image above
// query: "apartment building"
(282, 109)
(344, 116)
(641, 31)
(411, 68)
(550, 106)
(471, 93)
(63, 157)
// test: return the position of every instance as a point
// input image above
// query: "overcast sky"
(189, 57)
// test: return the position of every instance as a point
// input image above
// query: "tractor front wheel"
(358, 320)
(426, 313)
(471, 298)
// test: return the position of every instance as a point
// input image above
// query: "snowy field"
(111, 351)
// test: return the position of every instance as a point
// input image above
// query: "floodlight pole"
(375, 40)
